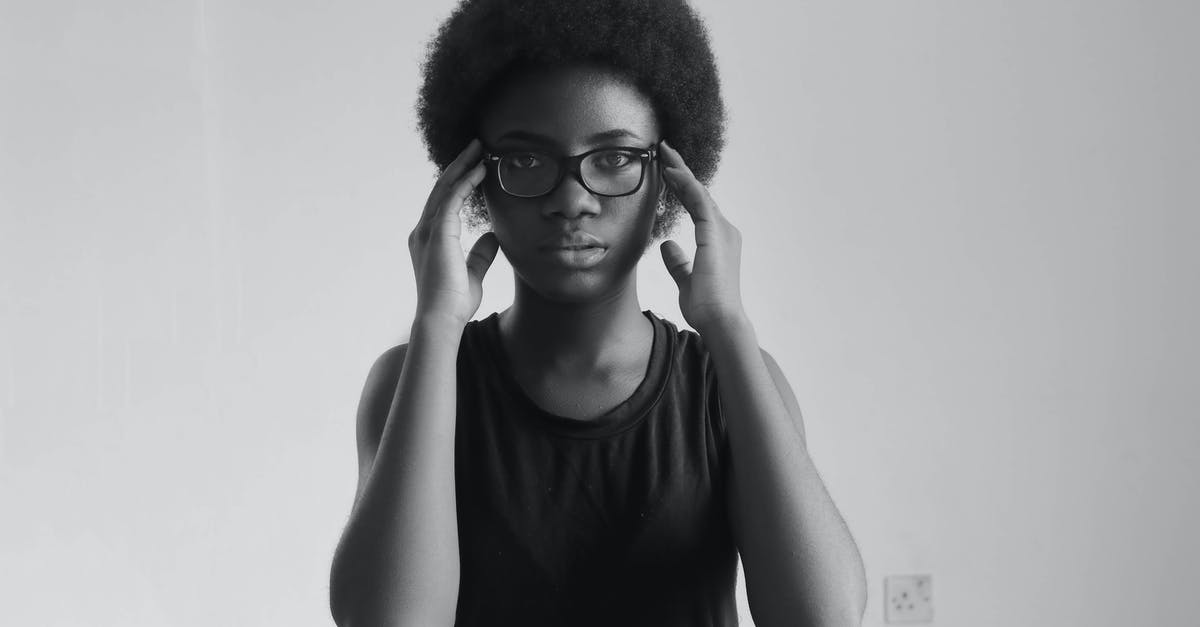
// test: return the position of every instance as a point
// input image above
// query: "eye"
(613, 159)
(524, 161)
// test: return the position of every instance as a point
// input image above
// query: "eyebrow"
(616, 133)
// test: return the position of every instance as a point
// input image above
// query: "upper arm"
(785, 392)
(373, 408)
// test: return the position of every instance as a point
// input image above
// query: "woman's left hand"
(709, 286)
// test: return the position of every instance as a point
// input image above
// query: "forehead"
(570, 109)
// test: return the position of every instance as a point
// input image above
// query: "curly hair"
(661, 46)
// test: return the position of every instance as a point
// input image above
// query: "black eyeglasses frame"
(573, 164)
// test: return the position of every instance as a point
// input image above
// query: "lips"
(575, 240)
(575, 250)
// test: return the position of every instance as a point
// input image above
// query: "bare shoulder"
(377, 394)
(785, 390)
(374, 405)
(388, 365)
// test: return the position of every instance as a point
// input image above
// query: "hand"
(709, 287)
(448, 287)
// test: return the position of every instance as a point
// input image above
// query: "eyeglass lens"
(609, 172)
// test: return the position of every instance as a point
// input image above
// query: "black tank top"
(618, 520)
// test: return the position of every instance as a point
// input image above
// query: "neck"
(597, 337)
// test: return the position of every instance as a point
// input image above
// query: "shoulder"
(385, 372)
(693, 352)
(691, 347)
(786, 394)
(380, 387)
(376, 398)
(682, 342)
(772, 366)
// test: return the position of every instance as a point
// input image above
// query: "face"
(564, 113)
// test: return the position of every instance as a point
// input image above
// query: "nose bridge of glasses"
(571, 167)
(566, 168)
(571, 196)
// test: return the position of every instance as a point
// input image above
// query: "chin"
(576, 288)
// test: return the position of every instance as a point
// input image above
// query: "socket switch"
(908, 599)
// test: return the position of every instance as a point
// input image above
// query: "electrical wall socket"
(908, 599)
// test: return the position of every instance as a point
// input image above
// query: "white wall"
(970, 237)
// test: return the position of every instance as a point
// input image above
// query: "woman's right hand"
(448, 287)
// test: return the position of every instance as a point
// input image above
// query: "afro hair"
(661, 46)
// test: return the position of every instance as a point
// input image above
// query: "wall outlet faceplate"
(908, 599)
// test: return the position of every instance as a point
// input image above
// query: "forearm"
(801, 564)
(398, 560)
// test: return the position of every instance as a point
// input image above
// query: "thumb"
(482, 254)
(677, 262)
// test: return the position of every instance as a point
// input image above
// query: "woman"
(573, 459)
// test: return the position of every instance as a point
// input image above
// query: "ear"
(660, 204)
(483, 201)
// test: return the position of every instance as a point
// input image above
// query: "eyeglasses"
(612, 171)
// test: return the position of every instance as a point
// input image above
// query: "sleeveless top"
(617, 520)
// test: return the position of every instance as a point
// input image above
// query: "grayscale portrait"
(662, 313)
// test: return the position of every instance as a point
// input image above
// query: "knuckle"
(461, 189)
(458, 194)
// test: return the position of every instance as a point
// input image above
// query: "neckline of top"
(620, 418)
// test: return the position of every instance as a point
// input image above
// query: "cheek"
(510, 220)
(492, 195)
(500, 207)
(645, 208)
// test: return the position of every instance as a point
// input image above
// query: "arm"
(397, 562)
(801, 564)
(802, 567)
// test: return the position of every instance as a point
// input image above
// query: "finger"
(442, 219)
(671, 157)
(482, 254)
(462, 189)
(449, 177)
(695, 197)
(445, 217)
(678, 265)
(469, 155)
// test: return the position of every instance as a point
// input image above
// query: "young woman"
(573, 459)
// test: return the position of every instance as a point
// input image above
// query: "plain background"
(970, 242)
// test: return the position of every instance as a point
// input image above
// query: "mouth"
(573, 240)
(574, 247)
(576, 256)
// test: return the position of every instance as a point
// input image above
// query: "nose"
(571, 199)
